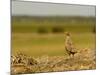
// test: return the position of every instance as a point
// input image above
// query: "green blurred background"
(44, 35)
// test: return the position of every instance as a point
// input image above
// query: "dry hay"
(83, 60)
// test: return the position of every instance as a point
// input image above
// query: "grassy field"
(27, 37)
(24, 24)
(49, 44)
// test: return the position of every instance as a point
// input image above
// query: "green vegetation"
(37, 36)
(49, 44)
(28, 24)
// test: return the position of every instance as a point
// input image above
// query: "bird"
(69, 47)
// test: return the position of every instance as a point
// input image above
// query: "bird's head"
(67, 33)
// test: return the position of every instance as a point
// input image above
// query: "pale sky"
(51, 9)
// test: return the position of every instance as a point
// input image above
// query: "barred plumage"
(69, 45)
